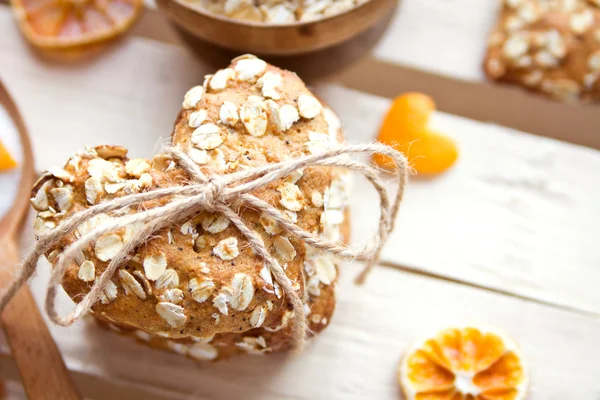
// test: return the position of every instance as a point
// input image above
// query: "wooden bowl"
(260, 38)
(311, 67)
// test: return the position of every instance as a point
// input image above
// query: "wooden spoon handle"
(42, 368)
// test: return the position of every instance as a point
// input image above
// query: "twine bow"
(217, 193)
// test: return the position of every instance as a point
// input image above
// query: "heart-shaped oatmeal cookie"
(197, 286)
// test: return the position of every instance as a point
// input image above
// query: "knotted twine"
(222, 194)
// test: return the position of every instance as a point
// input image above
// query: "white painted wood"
(517, 213)
(356, 357)
(445, 37)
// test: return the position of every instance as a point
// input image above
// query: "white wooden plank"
(516, 213)
(355, 358)
(440, 36)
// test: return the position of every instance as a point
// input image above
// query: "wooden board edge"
(419, 271)
(483, 101)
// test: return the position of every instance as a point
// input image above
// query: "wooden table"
(508, 237)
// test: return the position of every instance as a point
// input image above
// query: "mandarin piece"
(197, 288)
(6, 160)
(548, 46)
(469, 363)
(406, 129)
(276, 11)
(74, 24)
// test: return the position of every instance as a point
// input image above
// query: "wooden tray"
(507, 237)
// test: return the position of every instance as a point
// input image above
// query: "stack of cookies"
(197, 288)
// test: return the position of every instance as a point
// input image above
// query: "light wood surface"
(355, 358)
(505, 238)
(516, 213)
(442, 37)
(40, 364)
(521, 181)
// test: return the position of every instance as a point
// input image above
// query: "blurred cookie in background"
(548, 46)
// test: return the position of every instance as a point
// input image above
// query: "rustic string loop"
(216, 193)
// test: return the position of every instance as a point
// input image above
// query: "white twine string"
(217, 193)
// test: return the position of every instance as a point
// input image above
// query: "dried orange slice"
(406, 128)
(68, 24)
(464, 364)
(6, 160)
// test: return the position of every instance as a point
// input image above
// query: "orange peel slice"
(69, 24)
(6, 160)
(468, 363)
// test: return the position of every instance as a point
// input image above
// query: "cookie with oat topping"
(548, 46)
(259, 340)
(199, 280)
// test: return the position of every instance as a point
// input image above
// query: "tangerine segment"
(432, 153)
(490, 348)
(450, 394)
(509, 394)
(429, 153)
(464, 364)
(65, 24)
(6, 160)
(405, 128)
(444, 348)
(425, 374)
(466, 349)
(408, 116)
(506, 373)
